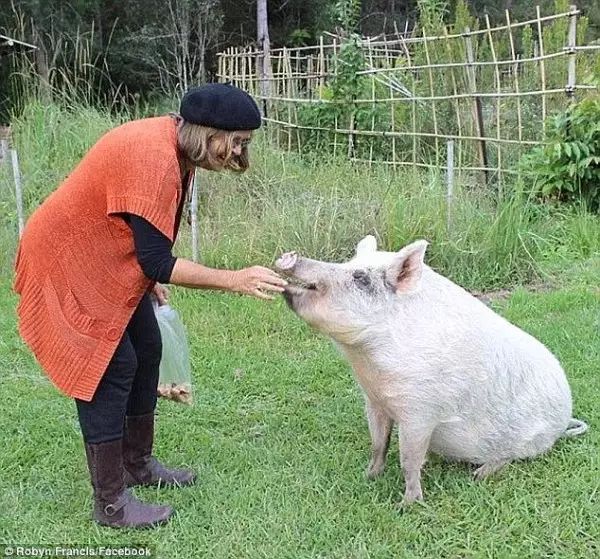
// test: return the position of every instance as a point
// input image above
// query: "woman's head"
(216, 125)
(213, 149)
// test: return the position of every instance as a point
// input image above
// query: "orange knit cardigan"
(77, 274)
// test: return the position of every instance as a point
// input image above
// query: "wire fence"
(488, 89)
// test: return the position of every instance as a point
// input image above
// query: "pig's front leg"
(380, 427)
(414, 442)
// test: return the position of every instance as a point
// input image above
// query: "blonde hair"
(210, 148)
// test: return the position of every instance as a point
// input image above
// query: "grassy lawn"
(279, 439)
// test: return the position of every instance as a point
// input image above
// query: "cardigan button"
(132, 301)
(113, 334)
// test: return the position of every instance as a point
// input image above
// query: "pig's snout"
(287, 261)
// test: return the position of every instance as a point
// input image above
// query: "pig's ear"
(367, 245)
(404, 275)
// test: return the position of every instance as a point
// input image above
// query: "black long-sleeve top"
(153, 249)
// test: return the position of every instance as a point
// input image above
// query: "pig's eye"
(361, 278)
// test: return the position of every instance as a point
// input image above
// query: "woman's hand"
(161, 293)
(257, 281)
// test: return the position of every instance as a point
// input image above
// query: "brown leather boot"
(114, 505)
(141, 468)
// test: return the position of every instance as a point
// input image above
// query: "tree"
(264, 61)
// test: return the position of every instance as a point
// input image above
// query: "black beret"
(221, 106)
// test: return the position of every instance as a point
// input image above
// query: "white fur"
(458, 379)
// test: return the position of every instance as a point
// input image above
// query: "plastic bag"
(175, 376)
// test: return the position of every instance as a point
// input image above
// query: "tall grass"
(321, 207)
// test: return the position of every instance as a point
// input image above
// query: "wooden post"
(571, 44)
(449, 182)
(18, 189)
(477, 111)
(194, 216)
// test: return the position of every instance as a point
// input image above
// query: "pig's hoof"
(487, 470)
(410, 498)
(375, 471)
(409, 502)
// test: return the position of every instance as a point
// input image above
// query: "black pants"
(129, 384)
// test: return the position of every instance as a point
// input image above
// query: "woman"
(88, 261)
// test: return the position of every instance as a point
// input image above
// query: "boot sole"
(135, 526)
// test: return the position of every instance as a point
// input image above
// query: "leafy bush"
(567, 167)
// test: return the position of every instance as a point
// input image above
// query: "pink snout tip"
(287, 261)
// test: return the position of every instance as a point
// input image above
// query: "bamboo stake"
(373, 115)
(416, 39)
(335, 124)
(469, 95)
(498, 102)
(392, 104)
(299, 75)
(449, 182)
(571, 44)
(413, 106)
(230, 64)
(321, 65)
(335, 70)
(432, 166)
(476, 63)
(351, 136)
(280, 67)
(542, 67)
(296, 93)
(18, 189)
(515, 75)
(287, 64)
(477, 111)
(236, 68)
(3, 150)
(194, 216)
(244, 63)
(456, 106)
(433, 104)
(399, 134)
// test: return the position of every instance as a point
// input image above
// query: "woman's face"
(241, 139)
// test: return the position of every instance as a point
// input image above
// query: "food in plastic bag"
(175, 376)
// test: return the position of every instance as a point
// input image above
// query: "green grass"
(277, 433)
(280, 442)
(322, 207)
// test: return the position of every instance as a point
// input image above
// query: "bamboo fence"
(488, 90)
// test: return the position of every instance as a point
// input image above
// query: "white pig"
(457, 378)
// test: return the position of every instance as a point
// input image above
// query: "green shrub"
(567, 167)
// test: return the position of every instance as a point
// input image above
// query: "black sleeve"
(153, 249)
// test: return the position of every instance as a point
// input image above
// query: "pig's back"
(503, 395)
